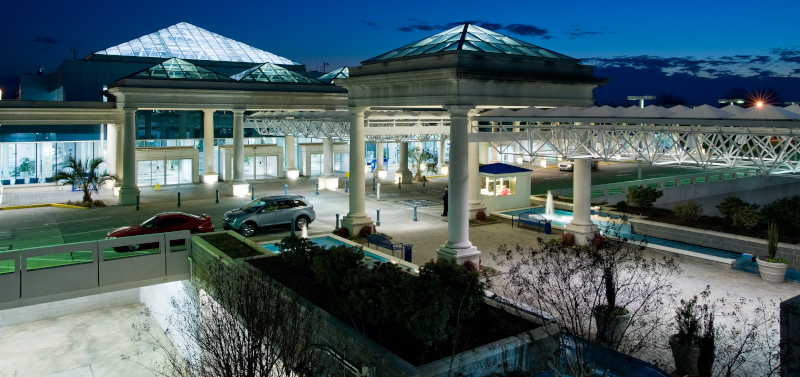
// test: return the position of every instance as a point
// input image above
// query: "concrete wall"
(759, 189)
(716, 240)
(32, 313)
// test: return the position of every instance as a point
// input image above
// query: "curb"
(42, 205)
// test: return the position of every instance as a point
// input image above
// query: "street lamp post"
(641, 99)
(731, 101)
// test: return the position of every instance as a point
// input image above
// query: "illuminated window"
(498, 186)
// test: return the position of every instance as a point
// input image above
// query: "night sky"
(695, 49)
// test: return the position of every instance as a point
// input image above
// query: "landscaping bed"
(230, 245)
(487, 324)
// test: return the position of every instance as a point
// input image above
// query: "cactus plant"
(772, 238)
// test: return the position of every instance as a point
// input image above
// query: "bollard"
(400, 183)
(378, 221)
(373, 184)
(179, 199)
(345, 185)
(217, 196)
(379, 192)
(423, 181)
(292, 226)
(337, 222)
(317, 188)
(252, 193)
(415, 212)
(285, 189)
(137, 203)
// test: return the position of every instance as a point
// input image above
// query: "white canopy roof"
(678, 109)
(602, 112)
(733, 109)
(767, 112)
(564, 111)
(704, 112)
(651, 111)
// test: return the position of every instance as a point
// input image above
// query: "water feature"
(328, 242)
(304, 232)
(548, 208)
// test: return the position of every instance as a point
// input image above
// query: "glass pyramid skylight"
(178, 69)
(469, 37)
(268, 72)
(186, 41)
(328, 78)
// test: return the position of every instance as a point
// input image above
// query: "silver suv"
(270, 210)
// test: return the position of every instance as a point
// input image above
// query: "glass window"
(498, 186)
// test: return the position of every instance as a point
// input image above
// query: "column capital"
(459, 110)
(357, 110)
(129, 110)
(209, 111)
(238, 112)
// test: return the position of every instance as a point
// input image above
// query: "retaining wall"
(716, 240)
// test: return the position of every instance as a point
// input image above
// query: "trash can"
(407, 252)
(548, 229)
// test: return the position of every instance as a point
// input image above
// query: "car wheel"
(248, 229)
(133, 247)
(301, 222)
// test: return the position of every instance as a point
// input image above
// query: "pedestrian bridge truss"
(768, 150)
(397, 126)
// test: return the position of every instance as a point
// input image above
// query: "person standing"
(444, 197)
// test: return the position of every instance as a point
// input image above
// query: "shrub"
(343, 232)
(480, 216)
(643, 197)
(298, 251)
(785, 212)
(746, 216)
(461, 284)
(470, 266)
(335, 263)
(687, 210)
(568, 239)
(729, 205)
(621, 205)
(597, 241)
(365, 231)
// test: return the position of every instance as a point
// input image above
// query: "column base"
(356, 223)
(379, 173)
(460, 255)
(210, 178)
(407, 177)
(127, 196)
(583, 233)
(292, 173)
(475, 208)
(115, 189)
(241, 188)
(328, 183)
(444, 169)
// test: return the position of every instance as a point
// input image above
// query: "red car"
(163, 223)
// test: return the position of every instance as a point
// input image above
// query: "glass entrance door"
(316, 164)
(261, 167)
(148, 173)
(272, 166)
(179, 171)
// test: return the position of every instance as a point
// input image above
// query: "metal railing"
(50, 273)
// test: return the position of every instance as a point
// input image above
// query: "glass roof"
(469, 37)
(186, 41)
(178, 69)
(328, 78)
(269, 72)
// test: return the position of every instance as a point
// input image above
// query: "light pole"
(641, 99)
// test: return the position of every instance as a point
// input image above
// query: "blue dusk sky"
(695, 49)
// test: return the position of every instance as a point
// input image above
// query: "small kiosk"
(505, 187)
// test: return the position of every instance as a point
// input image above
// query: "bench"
(530, 218)
(381, 241)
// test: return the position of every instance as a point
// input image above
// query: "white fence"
(58, 272)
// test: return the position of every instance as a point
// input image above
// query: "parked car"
(270, 210)
(569, 165)
(163, 223)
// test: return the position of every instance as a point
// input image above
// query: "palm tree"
(421, 159)
(83, 175)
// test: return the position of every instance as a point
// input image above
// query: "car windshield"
(150, 222)
(254, 205)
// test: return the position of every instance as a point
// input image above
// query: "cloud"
(518, 29)
(780, 62)
(579, 32)
(41, 39)
(789, 55)
(371, 24)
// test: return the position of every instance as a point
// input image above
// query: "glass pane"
(316, 164)
(177, 245)
(58, 260)
(249, 169)
(143, 174)
(120, 252)
(6, 266)
(173, 172)
(272, 166)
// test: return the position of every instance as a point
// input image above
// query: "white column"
(357, 217)
(380, 170)
(443, 169)
(128, 192)
(458, 246)
(475, 203)
(289, 153)
(120, 136)
(402, 170)
(327, 180)
(238, 186)
(209, 175)
(581, 225)
(111, 149)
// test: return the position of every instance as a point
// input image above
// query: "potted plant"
(693, 347)
(612, 320)
(771, 268)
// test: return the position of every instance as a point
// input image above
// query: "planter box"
(531, 350)
(716, 240)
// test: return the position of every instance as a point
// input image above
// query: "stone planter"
(685, 359)
(771, 272)
(611, 329)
